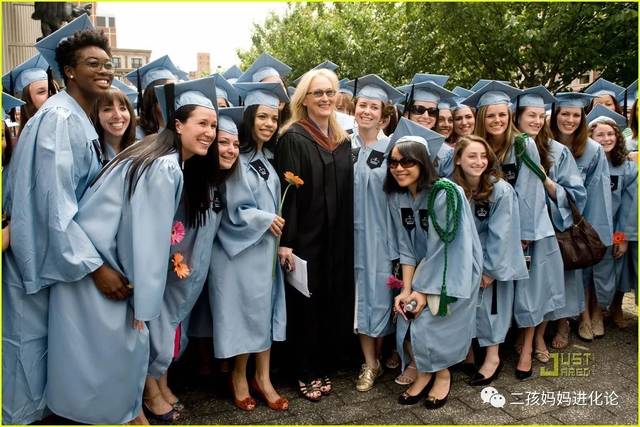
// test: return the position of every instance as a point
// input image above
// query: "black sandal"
(326, 387)
(307, 390)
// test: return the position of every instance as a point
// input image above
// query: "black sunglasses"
(404, 162)
(420, 110)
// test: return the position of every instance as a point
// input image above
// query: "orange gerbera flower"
(182, 271)
(177, 259)
(293, 179)
(619, 237)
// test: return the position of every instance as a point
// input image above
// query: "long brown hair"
(109, 97)
(542, 140)
(489, 176)
(619, 152)
(299, 111)
(502, 150)
(579, 138)
(28, 110)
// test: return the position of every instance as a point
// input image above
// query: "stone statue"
(53, 14)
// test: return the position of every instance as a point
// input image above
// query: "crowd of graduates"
(138, 215)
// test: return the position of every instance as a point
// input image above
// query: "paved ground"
(607, 395)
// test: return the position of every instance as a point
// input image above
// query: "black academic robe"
(319, 228)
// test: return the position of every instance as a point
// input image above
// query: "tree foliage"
(525, 43)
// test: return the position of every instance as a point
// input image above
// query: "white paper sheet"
(298, 277)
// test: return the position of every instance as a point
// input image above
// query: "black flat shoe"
(469, 369)
(480, 380)
(523, 375)
(407, 399)
(433, 403)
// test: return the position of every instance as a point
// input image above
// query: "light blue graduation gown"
(374, 241)
(535, 296)
(180, 295)
(438, 342)
(247, 302)
(606, 275)
(631, 143)
(97, 361)
(56, 158)
(139, 133)
(445, 161)
(594, 169)
(497, 221)
(565, 173)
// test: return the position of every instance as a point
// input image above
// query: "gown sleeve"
(628, 215)
(598, 209)
(287, 156)
(568, 183)
(503, 256)
(402, 239)
(49, 246)
(152, 209)
(246, 223)
(534, 220)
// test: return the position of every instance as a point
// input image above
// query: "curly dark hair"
(66, 50)
(619, 152)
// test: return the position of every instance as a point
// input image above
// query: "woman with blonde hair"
(319, 229)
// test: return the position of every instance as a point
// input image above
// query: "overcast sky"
(183, 29)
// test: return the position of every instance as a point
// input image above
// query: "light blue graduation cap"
(129, 92)
(265, 66)
(161, 68)
(450, 103)
(461, 93)
(230, 119)
(407, 130)
(9, 103)
(326, 65)
(32, 70)
(483, 82)
(47, 46)
(373, 87)
(600, 113)
(438, 79)
(537, 96)
(492, 93)
(225, 90)
(344, 88)
(629, 95)
(427, 91)
(573, 99)
(269, 94)
(603, 87)
(232, 72)
(201, 92)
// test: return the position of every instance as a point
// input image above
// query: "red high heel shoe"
(281, 404)
(246, 404)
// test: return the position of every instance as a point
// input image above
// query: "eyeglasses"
(404, 162)
(420, 110)
(95, 64)
(318, 93)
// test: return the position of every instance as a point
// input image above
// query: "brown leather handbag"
(580, 244)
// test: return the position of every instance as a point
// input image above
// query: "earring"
(70, 77)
